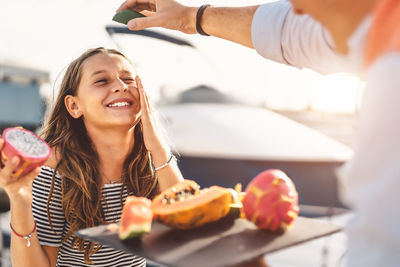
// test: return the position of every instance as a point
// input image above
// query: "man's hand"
(167, 14)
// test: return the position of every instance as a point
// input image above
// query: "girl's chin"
(107, 122)
(120, 124)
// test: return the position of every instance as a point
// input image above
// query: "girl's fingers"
(147, 101)
(33, 174)
(1, 145)
(141, 97)
(143, 100)
(146, 97)
(10, 166)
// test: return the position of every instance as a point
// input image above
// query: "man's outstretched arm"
(229, 23)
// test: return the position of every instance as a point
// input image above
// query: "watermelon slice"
(136, 218)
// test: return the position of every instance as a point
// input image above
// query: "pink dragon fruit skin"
(28, 162)
(271, 201)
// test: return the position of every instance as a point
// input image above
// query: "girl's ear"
(71, 103)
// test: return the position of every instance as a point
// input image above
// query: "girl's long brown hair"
(78, 161)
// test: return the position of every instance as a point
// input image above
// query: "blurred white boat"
(222, 141)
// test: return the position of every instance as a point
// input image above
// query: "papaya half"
(185, 206)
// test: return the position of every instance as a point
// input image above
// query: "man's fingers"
(144, 23)
(122, 7)
(148, 13)
(138, 5)
(145, 6)
(128, 4)
(1, 142)
(138, 8)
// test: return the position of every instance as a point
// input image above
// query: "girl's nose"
(120, 86)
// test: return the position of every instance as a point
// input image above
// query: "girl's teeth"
(119, 104)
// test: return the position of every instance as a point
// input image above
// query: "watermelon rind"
(134, 230)
(235, 210)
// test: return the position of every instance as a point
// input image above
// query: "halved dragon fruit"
(30, 148)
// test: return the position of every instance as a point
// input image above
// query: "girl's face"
(107, 95)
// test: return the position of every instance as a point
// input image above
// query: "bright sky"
(48, 34)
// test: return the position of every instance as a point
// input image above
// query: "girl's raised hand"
(152, 137)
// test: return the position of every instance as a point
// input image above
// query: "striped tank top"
(67, 255)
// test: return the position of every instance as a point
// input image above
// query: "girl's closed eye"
(101, 81)
(129, 80)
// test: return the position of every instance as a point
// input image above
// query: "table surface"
(223, 243)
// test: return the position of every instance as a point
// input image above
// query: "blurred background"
(228, 112)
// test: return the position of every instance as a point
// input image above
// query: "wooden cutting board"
(223, 243)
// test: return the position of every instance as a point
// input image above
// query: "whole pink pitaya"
(271, 200)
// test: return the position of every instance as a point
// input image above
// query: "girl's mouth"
(120, 104)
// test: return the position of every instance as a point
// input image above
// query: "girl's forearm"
(23, 223)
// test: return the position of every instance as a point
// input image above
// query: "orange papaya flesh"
(178, 192)
(191, 208)
(136, 218)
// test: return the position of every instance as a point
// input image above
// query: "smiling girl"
(105, 146)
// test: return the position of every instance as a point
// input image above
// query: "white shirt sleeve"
(282, 36)
(371, 180)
